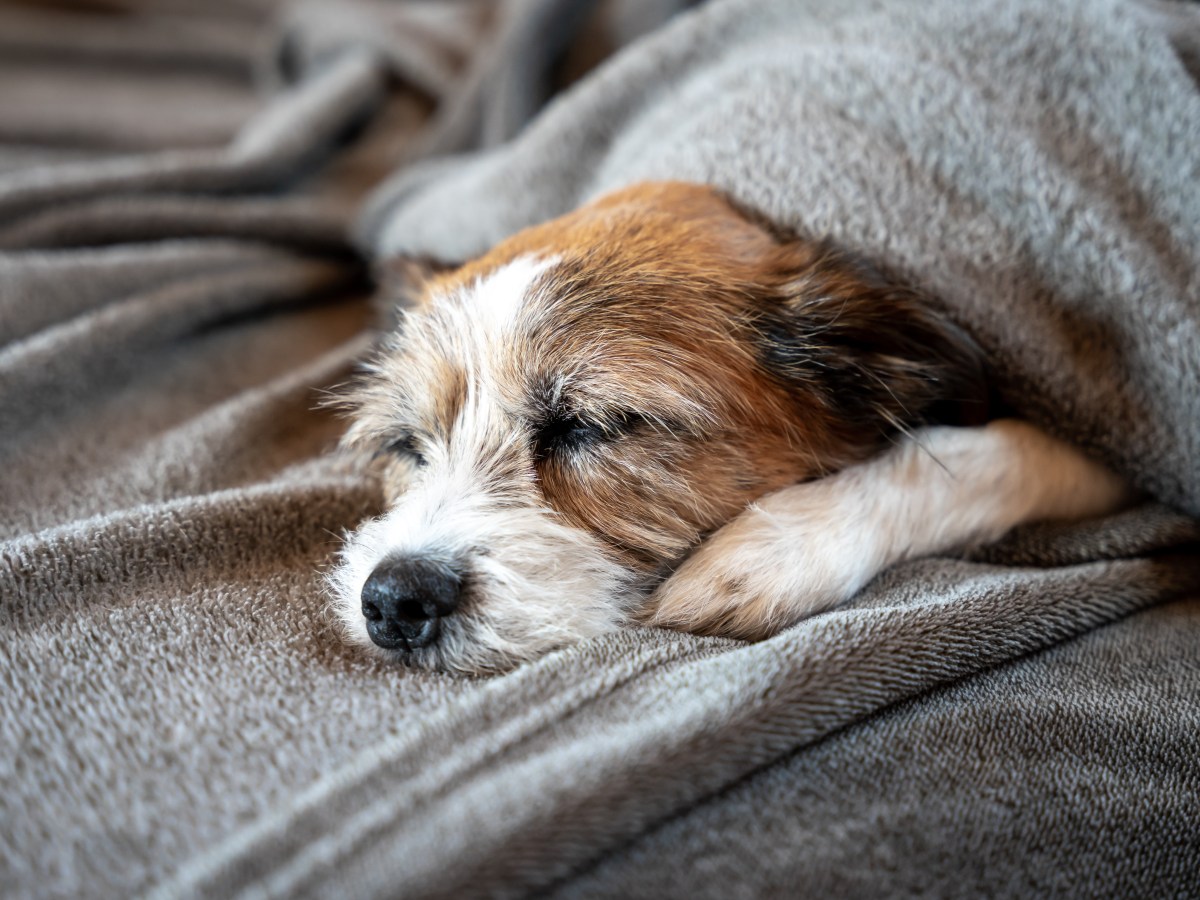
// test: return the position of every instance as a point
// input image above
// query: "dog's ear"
(875, 354)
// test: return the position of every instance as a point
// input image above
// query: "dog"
(661, 409)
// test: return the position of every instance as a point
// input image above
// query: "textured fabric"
(177, 287)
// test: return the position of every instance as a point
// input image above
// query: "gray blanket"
(177, 285)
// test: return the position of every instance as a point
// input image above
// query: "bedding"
(196, 201)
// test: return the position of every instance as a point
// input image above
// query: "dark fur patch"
(878, 355)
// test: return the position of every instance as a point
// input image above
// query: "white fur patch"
(497, 299)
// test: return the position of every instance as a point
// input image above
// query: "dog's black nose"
(404, 601)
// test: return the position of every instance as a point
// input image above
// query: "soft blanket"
(177, 283)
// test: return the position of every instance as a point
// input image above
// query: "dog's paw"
(795, 553)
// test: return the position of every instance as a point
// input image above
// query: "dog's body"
(657, 409)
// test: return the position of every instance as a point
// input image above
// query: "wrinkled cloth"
(192, 201)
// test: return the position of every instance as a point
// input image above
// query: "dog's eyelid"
(561, 424)
(566, 431)
(405, 445)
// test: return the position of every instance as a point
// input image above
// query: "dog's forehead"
(471, 348)
(485, 326)
(495, 300)
(634, 303)
(545, 327)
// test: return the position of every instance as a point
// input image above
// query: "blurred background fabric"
(195, 197)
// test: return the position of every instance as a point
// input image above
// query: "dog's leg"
(806, 548)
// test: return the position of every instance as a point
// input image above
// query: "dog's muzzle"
(405, 599)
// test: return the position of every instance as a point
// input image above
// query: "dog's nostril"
(414, 611)
(404, 600)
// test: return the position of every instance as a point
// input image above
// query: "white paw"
(795, 553)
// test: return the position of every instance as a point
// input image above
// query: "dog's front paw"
(797, 552)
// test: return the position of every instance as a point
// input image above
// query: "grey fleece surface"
(177, 717)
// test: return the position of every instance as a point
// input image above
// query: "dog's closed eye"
(564, 433)
(405, 447)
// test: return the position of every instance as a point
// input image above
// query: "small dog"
(659, 409)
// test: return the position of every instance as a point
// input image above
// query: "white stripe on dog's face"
(496, 300)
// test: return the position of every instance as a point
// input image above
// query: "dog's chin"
(551, 588)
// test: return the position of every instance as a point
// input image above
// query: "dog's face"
(563, 420)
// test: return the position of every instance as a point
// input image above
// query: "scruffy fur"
(626, 414)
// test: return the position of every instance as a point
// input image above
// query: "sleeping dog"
(659, 409)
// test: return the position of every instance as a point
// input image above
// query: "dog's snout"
(404, 601)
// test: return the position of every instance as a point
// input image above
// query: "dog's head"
(564, 419)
